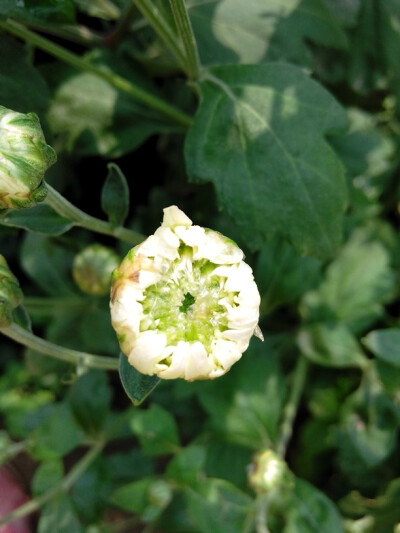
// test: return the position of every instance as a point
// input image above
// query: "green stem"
(290, 410)
(64, 208)
(64, 486)
(262, 503)
(76, 34)
(157, 21)
(80, 63)
(28, 339)
(185, 30)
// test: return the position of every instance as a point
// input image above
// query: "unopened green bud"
(93, 267)
(10, 293)
(24, 158)
(269, 473)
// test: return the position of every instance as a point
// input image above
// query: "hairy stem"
(64, 208)
(120, 83)
(162, 28)
(65, 484)
(185, 30)
(290, 410)
(28, 339)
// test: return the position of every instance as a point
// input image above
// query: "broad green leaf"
(136, 385)
(310, 511)
(31, 11)
(389, 376)
(230, 31)
(57, 434)
(258, 136)
(218, 506)
(147, 497)
(227, 461)
(245, 405)
(368, 429)
(59, 515)
(15, 73)
(90, 399)
(127, 466)
(283, 276)
(40, 218)
(90, 491)
(48, 264)
(90, 117)
(332, 345)
(47, 475)
(385, 345)
(156, 430)
(187, 466)
(115, 195)
(356, 285)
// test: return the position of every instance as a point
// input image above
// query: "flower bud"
(10, 293)
(24, 158)
(93, 267)
(269, 473)
(183, 302)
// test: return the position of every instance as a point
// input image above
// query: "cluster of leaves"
(289, 136)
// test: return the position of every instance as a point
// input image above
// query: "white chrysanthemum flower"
(183, 302)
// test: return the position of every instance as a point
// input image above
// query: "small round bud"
(269, 473)
(24, 158)
(93, 267)
(10, 293)
(184, 304)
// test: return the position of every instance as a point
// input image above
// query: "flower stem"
(290, 410)
(185, 30)
(120, 83)
(28, 339)
(65, 484)
(64, 208)
(163, 29)
(261, 513)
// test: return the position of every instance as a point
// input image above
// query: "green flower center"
(184, 303)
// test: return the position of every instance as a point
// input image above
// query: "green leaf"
(57, 434)
(310, 511)
(47, 475)
(245, 405)
(48, 264)
(283, 276)
(368, 429)
(259, 137)
(188, 465)
(133, 496)
(136, 385)
(227, 461)
(90, 117)
(40, 218)
(218, 506)
(332, 345)
(59, 515)
(90, 399)
(31, 11)
(385, 345)
(15, 72)
(231, 31)
(156, 430)
(356, 285)
(115, 195)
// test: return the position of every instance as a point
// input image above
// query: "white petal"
(198, 365)
(226, 352)
(173, 216)
(148, 351)
(193, 236)
(178, 362)
(217, 249)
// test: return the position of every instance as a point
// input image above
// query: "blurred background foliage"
(287, 141)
